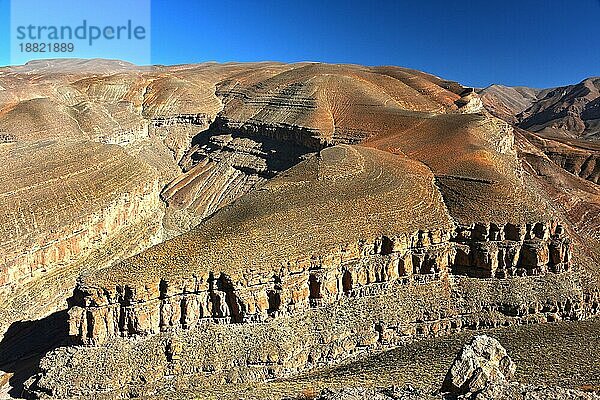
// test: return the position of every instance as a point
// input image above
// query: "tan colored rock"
(480, 363)
(424, 221)
(54, 215)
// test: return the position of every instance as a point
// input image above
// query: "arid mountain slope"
(205, 133)
(565, 120)
(350, 250)
(506, 102)
(60, 201)
(307, 213)
(37, 203)
(566, 111)
(569, 111)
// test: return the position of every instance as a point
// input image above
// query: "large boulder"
(481, 362)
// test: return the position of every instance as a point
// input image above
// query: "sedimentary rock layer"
(355, 271)
(387, 314)
(362, 196)
(212, 132)
(60, 200)
(383, 272)
(427, 216)
(579, 157)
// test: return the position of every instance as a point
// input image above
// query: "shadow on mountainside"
(279, 153)
(26, 342)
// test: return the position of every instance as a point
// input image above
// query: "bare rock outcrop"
(469, 103)
(482, 370)
(256, 281)
(419, 215)
(40, 233)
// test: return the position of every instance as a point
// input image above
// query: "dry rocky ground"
(557, 355)
(165, 230)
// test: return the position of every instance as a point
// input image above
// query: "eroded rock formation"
(52, 218)
(341, 209)
(354, 270)
(511, 250)
(394, 274)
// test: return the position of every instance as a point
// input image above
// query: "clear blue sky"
(539, 43)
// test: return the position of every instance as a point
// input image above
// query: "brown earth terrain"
(570, 111)
(171, 229)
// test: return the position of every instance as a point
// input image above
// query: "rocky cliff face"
(40, 234)
(282, 313)
(512, 250)
(54, 219)
(315, 212)
(308, 283)
(385, 314)
(355, 271)
(225, 163)
(579, 198)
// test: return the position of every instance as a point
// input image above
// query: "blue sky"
(527, 42)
